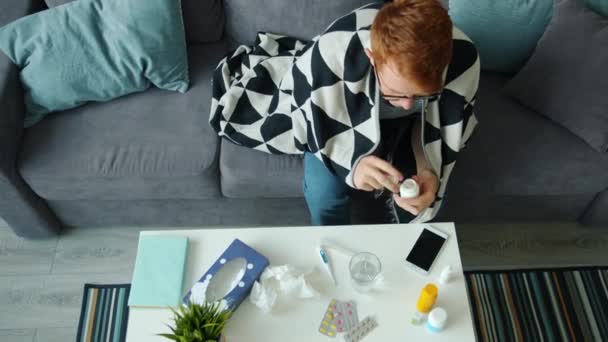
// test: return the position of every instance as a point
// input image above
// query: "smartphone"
(425, 250)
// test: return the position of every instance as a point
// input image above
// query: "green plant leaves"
(198, 323)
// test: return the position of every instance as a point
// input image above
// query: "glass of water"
(364, 269)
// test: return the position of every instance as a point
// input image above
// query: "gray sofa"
(151, 159)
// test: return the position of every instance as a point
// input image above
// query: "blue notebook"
(158, 278)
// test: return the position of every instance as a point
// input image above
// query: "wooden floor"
(41, 282)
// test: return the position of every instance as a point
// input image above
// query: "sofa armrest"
(26, 213)
(596, 213)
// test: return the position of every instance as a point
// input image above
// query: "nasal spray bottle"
(409, 189)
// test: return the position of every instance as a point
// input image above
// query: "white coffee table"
(298, 320)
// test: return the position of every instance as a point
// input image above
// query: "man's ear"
(369, 54)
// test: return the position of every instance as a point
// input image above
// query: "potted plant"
(198, 323)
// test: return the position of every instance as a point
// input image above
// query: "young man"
(385, 93)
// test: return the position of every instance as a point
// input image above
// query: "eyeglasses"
(425, 98)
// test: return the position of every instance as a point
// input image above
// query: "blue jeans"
(326, 194)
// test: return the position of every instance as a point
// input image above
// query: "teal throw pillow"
(505, 32)
(599, 6)
(96, 50)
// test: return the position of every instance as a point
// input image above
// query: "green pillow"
(599, 6)
(96, 50)
(505, 32)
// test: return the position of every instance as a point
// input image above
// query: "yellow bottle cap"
(427, 298)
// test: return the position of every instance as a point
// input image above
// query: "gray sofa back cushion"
(204, 19)
(11, 10)
(566, 78)
(302, 19)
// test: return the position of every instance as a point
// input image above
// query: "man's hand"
(373, 173)
(428, 183)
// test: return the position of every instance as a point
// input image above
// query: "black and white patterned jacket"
(288, 96)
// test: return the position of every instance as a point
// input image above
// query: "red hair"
(415, 35)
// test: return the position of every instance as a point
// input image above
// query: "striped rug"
(540, 305)
(104, 313)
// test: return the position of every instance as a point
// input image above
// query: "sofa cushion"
(248, 173)
(597, 212)
(479, 208)
(151, 145)
(505, 32)
(11, 10)
(565, 80)
(302, 19)
(96, 50)
(204, 19)
(599, 6)
(518, 152)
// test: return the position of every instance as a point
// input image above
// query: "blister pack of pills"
(339, 317)
(361, 330)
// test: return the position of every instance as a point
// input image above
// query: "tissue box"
(248, 262)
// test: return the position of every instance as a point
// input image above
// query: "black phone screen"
(425, 249)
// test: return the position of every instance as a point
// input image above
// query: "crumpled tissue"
(285, 280)
(199, 293)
